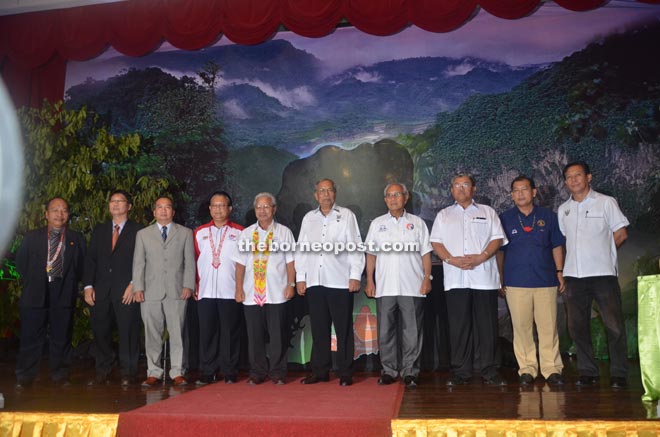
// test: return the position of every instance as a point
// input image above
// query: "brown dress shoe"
(151, 381)
(179, 381)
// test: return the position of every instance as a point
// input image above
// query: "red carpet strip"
(324, 409)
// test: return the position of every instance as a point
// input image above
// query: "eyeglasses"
(218, 205)
(325, 190)
(458, 185)
(394, 195)
(118, 201)
(520, 190)
(263, 207)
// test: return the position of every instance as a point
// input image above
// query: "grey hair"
(387, 187)
(273, 201)
(463, 175)
(334, 186)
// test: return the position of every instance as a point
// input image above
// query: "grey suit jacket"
(162, 269)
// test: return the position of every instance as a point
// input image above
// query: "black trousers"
(53, 322)
(268, 340)
(103, 316)
(472, 316)
(580, 295)
(328, 306)
(219, 336)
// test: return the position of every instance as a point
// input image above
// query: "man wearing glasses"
(531, 274)
(403, 279)
(109, 291)
(465, 236)
(216, 243)
(329, 279)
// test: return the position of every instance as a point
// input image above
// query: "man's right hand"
(370, 289)
(301, 288)
(90, 296)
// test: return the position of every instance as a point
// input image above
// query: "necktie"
(55, 255)
(115, 236)
(164, 233)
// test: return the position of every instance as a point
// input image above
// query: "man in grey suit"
(163, 280)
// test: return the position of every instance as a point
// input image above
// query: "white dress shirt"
(276, 276)
(464, 232)
(326, 268)
(216, 283)
(588, 227)
(398, 273)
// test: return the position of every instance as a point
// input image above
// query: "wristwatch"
(429, 276)
(292, 284)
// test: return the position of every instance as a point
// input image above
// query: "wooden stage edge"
(431, 409)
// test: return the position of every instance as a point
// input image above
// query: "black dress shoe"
(457, 380)
(99, 380)
(345, 381)
(279, 381)
(230, 379)
(618, 382)
(255, 380)
(125, 381)
(23, 384)
(410, 381)
(555, 379)
(386, 379)
(495, 380)
(526, 379)
(586, 381)
(62, 383)
(313, 379)
(204, 380)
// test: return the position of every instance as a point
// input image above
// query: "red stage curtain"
(34, 47)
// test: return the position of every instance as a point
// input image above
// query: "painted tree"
(70, 154)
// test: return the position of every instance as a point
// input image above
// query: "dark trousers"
(35, 324)
(328, 306)
(472, 316)
(400, 334)
(219, 336)
(580, 294)
(268, 340)
(103, 315)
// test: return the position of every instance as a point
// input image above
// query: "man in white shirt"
(594, 227)
(265, 281)
(220, 315)
(403, 279)
(466, 237)
(329, 279)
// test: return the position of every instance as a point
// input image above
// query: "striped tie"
(164, 234)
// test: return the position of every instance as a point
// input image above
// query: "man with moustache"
(328, 281)
(265, 281)
(220, 315)
(595, 228)
(109, 291)
(402, 280)
(466, 236)
(50, 262)
(531, 275)
(163, 280)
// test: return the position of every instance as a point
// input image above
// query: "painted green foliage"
(71, 154)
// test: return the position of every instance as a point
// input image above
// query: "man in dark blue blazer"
(109, 291)
(50, 262)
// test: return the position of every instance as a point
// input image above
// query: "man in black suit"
(50, 262)
(109, 291)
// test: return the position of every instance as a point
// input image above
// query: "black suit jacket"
(108, 271)
(31, 264)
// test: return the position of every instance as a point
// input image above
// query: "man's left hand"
(186, 293)
(354, 285)
(426, 286)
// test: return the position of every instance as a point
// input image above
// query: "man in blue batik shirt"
(531, 274)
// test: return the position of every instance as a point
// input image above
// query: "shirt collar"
(404, 215)
(472, 205)
(333, 210)
(121, 225)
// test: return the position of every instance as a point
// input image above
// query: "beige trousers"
(528, 306)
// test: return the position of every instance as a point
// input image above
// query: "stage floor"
(432, 399)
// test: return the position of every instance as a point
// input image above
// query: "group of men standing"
(129, 271)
